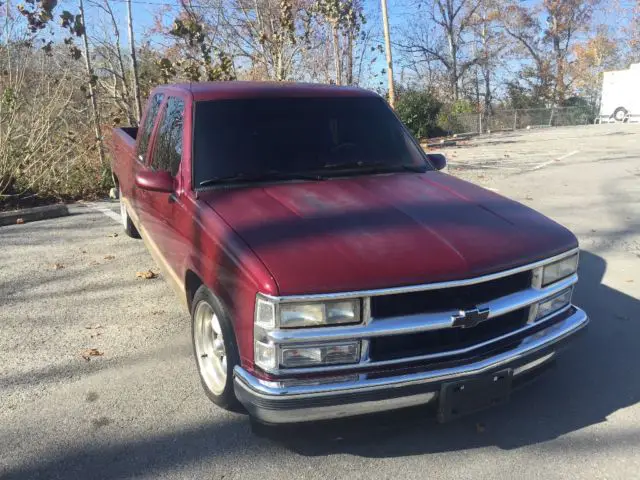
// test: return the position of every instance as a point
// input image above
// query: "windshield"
(277, 138)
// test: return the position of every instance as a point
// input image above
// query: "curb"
(33, 214)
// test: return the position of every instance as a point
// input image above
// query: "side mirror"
(438, 160)
(154, 181)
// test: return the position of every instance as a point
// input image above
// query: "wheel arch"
(192, 282)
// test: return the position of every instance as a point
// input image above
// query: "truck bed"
(123, 153)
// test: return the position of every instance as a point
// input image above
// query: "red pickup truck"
(330, 268)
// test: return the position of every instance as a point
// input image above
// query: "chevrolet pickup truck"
(329, 266)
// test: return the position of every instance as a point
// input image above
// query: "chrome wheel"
(210, 350)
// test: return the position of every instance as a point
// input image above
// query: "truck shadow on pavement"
(594, 378)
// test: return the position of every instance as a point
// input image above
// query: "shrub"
(47, 145)
(418, 110)
(456, 117)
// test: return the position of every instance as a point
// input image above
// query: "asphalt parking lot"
(136, 408)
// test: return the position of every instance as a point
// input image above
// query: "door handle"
(173, 198)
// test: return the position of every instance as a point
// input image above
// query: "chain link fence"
(501, 120)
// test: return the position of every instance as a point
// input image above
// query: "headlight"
(271, 316)
(316, 314)
(553, 304)
(558, 270)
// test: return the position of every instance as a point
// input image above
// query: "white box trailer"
(620, 101)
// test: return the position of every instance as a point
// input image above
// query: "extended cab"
(329, 267)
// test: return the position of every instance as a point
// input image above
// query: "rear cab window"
(167, 150)
(146, 128)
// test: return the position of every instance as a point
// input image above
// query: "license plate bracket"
(468, 396)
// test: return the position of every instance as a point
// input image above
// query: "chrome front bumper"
(277, 403)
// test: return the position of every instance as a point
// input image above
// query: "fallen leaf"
(113, 235)
(630, 281)
(480, 428)
(148, 275)
(157, 312)
(20, 221)
(109, 257)
(93, 327)
(83, 251)
(91, 352)
(57, 266)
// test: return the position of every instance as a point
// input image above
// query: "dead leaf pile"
(91, 352)
(148, 275)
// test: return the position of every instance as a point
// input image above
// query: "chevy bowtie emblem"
(470, 318)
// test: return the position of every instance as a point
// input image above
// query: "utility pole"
(134, 63)
(387, 44)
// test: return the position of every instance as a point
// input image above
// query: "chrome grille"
(446, 339)
(454, 298)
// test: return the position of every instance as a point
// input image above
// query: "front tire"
(215, 348)
(129, 228)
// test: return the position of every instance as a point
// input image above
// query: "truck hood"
(383, 231)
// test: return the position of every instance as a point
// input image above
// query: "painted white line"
(563, 157)
(106, 211)
(571, 154)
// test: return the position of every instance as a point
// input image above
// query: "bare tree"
(443, 38)
(97, 123)
(110, 64)
(489, 45)
(547, 32)
(134, 62)
(269, 35)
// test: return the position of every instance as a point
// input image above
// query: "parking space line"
(106, 211)
(563, 157)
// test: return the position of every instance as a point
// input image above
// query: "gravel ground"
(137, 410)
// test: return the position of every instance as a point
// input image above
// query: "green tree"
(418, 110)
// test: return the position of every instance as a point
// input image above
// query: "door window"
(149, 121)
(167, 152)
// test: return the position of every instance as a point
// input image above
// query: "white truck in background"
(620, 101)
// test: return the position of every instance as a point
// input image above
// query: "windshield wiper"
(259, 177)
(374, 167)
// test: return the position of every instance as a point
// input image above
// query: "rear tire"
(129, 228)
(620, 114)
(215, 348)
